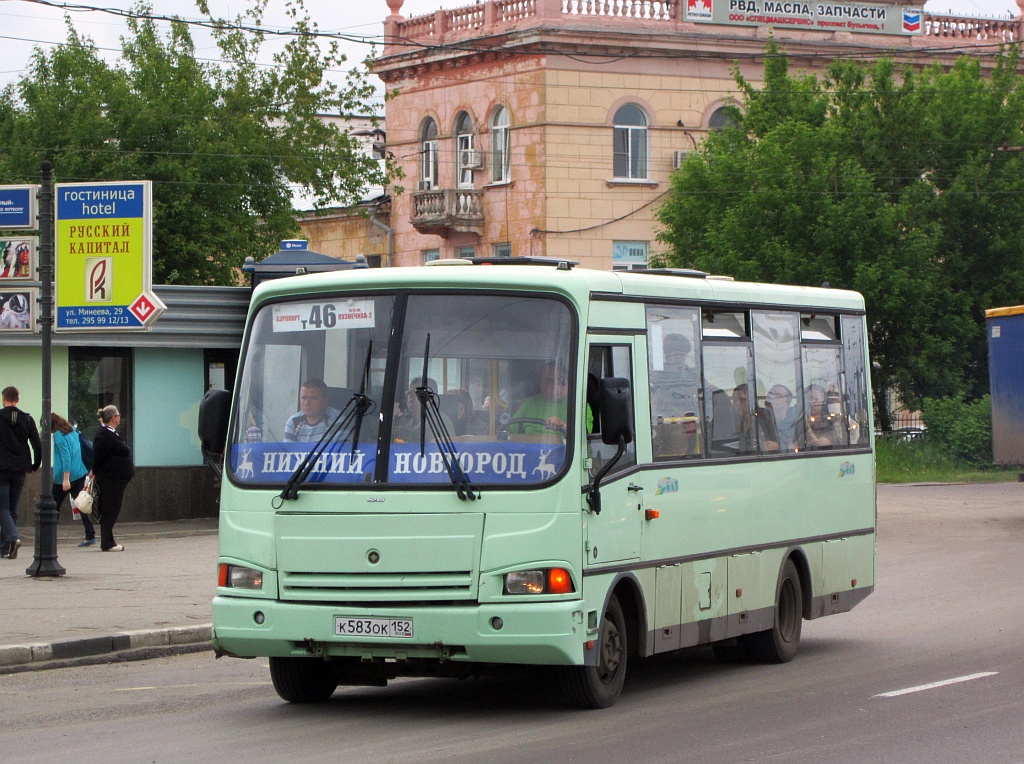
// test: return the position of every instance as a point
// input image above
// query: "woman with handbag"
(112, 468)
(69, 470)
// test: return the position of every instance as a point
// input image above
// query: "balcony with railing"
(449, 210)
(501, 16)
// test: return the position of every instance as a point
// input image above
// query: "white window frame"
(631, 144)
(464, 145)
(428, 157)
(501, 146)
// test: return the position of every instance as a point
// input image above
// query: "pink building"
(551, 127)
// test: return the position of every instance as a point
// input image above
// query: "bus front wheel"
(599, 686)
(779, 643)
(303, 680)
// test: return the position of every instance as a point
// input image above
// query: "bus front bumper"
(543, 633)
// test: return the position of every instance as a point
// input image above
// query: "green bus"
(435, 471)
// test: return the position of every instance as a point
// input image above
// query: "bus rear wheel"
(599, 686)
(779, 644)
(303, 680)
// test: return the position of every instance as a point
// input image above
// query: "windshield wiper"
(430, 415)
(349, 421)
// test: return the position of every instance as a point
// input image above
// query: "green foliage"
(926, 461)
(962, 430)
(224, 143)
(894, 184)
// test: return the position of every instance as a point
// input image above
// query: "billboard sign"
(18, 206)
(104, 256)
(18, 257)
(833, 16)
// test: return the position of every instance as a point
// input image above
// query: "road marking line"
(933, 685)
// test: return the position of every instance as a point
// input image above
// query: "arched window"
(501, 145)
(629, 154)
(466, 157)
(722, 118)
(428, 155)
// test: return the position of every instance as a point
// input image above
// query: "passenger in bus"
(674, 406)
(548, 405)
(820, 426)
(310, 423)
(408, 420)
(784, 416)
(750, 428)
(467, 421)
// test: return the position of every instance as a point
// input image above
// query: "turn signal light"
(559, 581)
(652, 514)
(540, 581)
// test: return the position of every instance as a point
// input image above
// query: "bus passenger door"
(614, 534)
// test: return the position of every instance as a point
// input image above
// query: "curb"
(100, 649)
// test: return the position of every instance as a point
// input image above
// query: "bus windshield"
(494, 368)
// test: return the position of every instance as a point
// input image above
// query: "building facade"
(551, 127)
(156, 378)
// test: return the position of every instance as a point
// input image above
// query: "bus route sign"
(104, 256)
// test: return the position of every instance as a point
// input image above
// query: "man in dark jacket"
(17, 432)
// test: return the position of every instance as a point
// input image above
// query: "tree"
(902, 187)
(224, 144)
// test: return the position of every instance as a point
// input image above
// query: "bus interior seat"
(449, 406)
(338, 397)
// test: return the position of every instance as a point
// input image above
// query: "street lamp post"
(45, 562)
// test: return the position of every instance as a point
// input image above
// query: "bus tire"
(303, 680)
(779, 644)
(599, 686)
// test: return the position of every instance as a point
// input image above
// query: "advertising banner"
(18, 206)
(104, 256)
(17, 258)
(835, 16)
(17, 309)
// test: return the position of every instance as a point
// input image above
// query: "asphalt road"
(948, 606)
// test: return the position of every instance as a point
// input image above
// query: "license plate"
(346, 626)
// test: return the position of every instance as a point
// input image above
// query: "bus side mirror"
(213, 420)
(616, 411)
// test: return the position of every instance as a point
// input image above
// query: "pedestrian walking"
(112, 468)
(69, 470)
(18, 432)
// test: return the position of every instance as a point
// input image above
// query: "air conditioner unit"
(472, 159)
(678, 157)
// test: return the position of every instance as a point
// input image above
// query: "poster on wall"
(17, 310)
(17, 257)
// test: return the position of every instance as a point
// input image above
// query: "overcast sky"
(25, 24)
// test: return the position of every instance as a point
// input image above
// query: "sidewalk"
(155, 596)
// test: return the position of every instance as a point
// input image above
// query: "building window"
(465, 252)
(466, 158)
(99, 377)
(430, 255)
(221, 366)
(629, 157)
(629, 255)
(428, 155)
(501, 146)
(722, 118)
(501, 250)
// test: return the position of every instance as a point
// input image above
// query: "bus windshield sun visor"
(349, 422)
(430, 416)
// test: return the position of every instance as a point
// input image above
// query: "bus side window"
(605, 361)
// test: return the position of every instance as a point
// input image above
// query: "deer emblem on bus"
(245, 468)
(545, 469)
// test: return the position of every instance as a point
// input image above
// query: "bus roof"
(562, 277)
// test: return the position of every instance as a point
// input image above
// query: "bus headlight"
(541, 581)
(239, 577)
